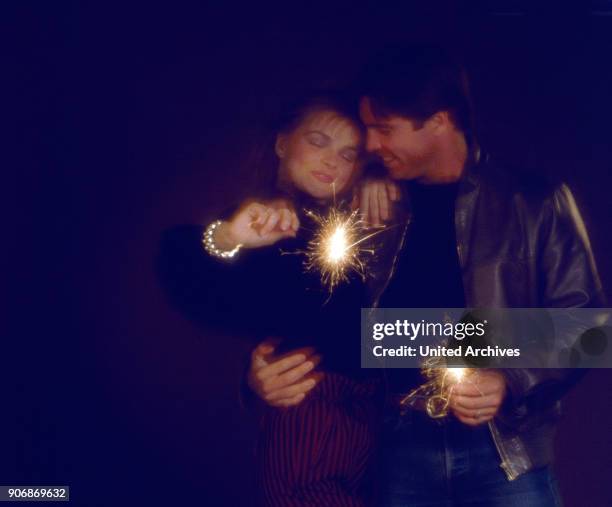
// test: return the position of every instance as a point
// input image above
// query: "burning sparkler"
(337, 248)
(435, 394)
(456, 374)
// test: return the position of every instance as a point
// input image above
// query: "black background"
(135, 119)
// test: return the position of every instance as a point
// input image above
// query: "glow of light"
(335, 249)
(337, 245)
(457, 374)
(434, 395)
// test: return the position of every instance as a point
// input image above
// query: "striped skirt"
(319, 452)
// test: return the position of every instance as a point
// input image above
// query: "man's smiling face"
(404, 149)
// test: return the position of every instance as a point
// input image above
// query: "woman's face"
(320, 153)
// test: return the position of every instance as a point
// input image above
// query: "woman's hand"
(374, 197)
(256, 225)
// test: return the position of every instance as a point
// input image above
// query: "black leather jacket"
(520, 244)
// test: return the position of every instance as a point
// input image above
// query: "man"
(473, 236)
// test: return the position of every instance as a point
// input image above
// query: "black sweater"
(262, 293)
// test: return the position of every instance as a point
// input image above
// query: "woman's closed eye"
(350, 155)
(318, 139)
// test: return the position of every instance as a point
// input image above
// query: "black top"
(262, 293)
(427, 273)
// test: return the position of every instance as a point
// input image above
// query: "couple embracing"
(331, 432)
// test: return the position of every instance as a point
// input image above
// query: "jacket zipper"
(506, 461)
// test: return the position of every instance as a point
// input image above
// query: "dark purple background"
(136, 119)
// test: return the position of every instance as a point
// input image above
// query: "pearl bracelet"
(209, 243)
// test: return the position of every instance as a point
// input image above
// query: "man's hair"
(416, 81)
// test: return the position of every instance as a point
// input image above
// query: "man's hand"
(282, 381)
(477, 398)
(374, 198)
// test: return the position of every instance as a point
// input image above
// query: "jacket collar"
(476, 160)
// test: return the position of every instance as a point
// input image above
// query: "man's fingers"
(475, 414)
(475, 403)
(477, 386)
(284, 363)
(289, 402)
(472, 388)
(259, 360)
(383, 202)
(364, 205)
(277, 367)
(355, 198)
(474, 417)
(470, 421)
(315, 377)
(292, 390)
(374, 216)
(285, 220)
(265, 348)
(292, 376)
(477, 399)
(393, 191)
(295, 221)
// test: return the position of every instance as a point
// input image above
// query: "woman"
(317, 452)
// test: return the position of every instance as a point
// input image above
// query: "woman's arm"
(255, 225)
(220, 292)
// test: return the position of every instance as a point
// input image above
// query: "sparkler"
(436, 392)
(336, 248)
(456, 374)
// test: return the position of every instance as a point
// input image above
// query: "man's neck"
(449, 160)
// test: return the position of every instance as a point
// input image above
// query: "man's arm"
(280, 380)
(568, 279)
(569, 275)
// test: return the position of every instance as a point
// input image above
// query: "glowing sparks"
(336, 247)
(434, 395)
(456, 374)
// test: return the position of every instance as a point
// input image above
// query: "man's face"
(404, 149)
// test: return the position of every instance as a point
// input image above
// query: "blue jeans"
(427, 463)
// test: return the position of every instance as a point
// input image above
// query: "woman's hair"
(263, 163)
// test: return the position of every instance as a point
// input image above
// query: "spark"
(456, 374)
(337, 245)
(434, 395)
(336, 249)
